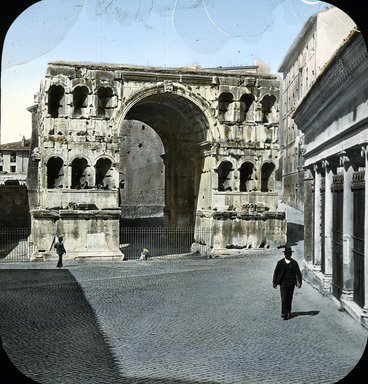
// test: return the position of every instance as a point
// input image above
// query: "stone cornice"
(134, 70)
(349, 65)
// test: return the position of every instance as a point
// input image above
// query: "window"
(224, 176)
(104, 95)
(246, 172)
(225, 99)
(80, 178)
(55, 172)
(103, 174)
(13, 168)
(13, 157)
(266, 177)
(80, 95)
(245, 101)
(267, 102)
(55, 100)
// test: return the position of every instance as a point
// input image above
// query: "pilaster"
(348, 227)
(308, 216)
(317, 218)
(365, 307)
(329, 172)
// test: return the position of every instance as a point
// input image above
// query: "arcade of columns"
(336, 224)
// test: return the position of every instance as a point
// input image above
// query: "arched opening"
(225, 99)
(181, 127)
(80, 95)
(103, 174)
(224, 176)
(267, 103)
(80, 178)
(55, 98)
(104, 95)
(246, 101)
(267, 177)
(55, 172)
(246, 173)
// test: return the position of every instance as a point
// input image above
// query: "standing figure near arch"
(60, 250)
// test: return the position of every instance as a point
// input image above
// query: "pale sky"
(165, 33)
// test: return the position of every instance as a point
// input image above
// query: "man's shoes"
(286, 317)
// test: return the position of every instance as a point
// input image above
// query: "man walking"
(287, 274)
(60, 250)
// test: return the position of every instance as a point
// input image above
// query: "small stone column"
(308, 216)
(328, 224)
(348, 227)
(317, 219)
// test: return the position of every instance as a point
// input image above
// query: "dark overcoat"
(59, 247)
(280, 271)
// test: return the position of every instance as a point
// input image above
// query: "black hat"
(288, 249)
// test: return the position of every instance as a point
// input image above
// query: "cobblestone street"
(172, 321)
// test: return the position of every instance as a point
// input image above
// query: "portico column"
(328, 224)
(348, 227)
(365, 308)
(308, 217)
(317, 219)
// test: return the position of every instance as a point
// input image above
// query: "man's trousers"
(286, 291)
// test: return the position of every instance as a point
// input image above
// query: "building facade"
(14, 159)
(320, 37)
(333, 118)
(219, 133)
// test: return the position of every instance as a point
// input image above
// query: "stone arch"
(55, 100)
(55, 172)
(104, 97)
(268, 176)
(267, 105)
(246, 101)
(224, 101)
(246, 172)
(80, 99)
(103, 174)
(80, 177)
(181, 120)
(224, 176)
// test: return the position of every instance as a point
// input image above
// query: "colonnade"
(336, 225)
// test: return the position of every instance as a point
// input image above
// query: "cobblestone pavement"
(176, 321)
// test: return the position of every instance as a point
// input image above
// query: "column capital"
(318, 168)
(330, 164)
(308, 174)
(344, 159)
(364, 151)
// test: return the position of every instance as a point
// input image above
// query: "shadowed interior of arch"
(182, 128)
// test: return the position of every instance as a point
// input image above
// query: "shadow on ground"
(308, 313)
(295, 233)
(49, 333)
(49, 330)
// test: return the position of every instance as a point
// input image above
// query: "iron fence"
(164, 241)
(160, 241)
(14, 244)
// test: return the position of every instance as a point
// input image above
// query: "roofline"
(219, 71)
(293, 49)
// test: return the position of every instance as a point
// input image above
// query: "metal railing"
(160, 241)
(164, 241)
(14, 244)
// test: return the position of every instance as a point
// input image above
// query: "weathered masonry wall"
(219, 135)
